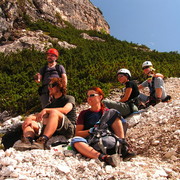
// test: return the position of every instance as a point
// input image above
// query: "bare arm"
(66, 109)
(159, 75)
(64, 78)
(38, 78)
(158, 92)
(80, 132)
(127, 94)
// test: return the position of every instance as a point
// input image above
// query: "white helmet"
(124, 71)
(146, 63)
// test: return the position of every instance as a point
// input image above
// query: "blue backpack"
(103, 139)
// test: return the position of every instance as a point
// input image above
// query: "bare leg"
(86, 150)
(118, 128)
(52, 122)
(29, 130)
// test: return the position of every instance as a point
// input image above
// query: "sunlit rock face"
(82, 14)
(14, 15)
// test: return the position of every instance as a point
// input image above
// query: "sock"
(30, 139)
(102, 157)
(42, 139)
(46, 138)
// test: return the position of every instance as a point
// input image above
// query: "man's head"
(147, 67)
(56, 86)
(52, 55)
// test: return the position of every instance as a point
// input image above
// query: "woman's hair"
(60, 84)
(100, 92)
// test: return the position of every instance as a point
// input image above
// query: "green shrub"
(92, 63)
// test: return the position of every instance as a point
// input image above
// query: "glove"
(91, 130)
(158, 100)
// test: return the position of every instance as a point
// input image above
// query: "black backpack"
(43, 73)
(57, 69)
(103, 139)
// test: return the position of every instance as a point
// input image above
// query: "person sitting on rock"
(56, 118)
(86, 122)
(155, 83)
(129, 101)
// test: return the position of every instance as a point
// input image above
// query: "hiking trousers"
(123, 108)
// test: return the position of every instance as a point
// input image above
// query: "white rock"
(155, 143)
(160, 173)
(6, 171)
(63, 168)
(8, 161)
(177, 132)
(108, 169)
(9, 152)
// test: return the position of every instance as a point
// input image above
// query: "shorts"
(67, 129)
(77, 139)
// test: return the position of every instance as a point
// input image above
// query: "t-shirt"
(61, 102)
(50, 72)
(158, 83)
(135, 90)
(88, 118)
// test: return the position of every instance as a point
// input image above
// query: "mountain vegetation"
(92, 63)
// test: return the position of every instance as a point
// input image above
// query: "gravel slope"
(154, 134)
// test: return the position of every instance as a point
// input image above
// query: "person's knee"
(76, 141)
(56, 115)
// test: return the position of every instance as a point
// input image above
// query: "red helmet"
(53, 51)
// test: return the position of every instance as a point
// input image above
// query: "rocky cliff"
(81, 14)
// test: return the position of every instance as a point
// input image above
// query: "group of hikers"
(58, 115)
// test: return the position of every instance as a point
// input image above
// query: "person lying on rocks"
(155, 83)
(56, 118)
(129, 101)
(85, 127)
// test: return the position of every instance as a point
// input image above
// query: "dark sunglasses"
(52, 55)
(92, 95)
(51, 85)
(119, 76)
(145, 67)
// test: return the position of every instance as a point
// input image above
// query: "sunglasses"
(119, 76)
(51, 85)
(145, 67)
(92, 95)
(52, 55)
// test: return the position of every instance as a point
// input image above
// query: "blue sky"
(154, 23)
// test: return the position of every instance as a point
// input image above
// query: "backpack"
(43, 73)
(151, 87)
(57, 69)
(103, 139)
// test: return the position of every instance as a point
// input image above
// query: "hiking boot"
(112, 160)
(22, 145)
(40, 143)
(127, 151)
(128, 156)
